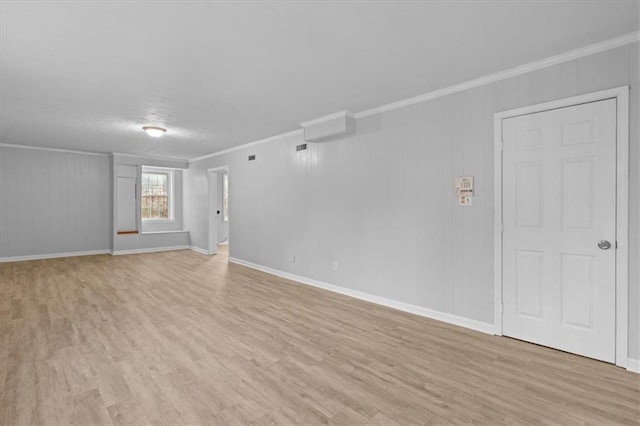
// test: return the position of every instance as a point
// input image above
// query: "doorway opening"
(218, 210)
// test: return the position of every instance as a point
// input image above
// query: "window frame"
(170, 193)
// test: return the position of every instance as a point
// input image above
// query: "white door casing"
(561, 185)
(212, 216)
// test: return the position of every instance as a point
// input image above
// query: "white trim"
(511, 72)
(249, 144)
(212, 218)
(152, 221)
(149, 250)
(161, 169)
(199, 250)
(491, 78)
(622, 226)
(497, 223)
(566, 102)
(210, 203)
(323, 119)
(218, 169)
(171, 181)
(224, 169)
(177, 231)
(406, 307)
(633, 365)
(621, 94)
(147, 157)
(42, 148)
(52, 255)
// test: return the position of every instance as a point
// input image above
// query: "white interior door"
(559, 213)
(212, 215)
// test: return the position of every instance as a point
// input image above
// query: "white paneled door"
(559, 215)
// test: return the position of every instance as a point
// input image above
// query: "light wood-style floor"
(182, 338)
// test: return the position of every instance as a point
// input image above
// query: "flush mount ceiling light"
(154, 131)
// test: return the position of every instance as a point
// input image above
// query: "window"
(225, 197)
(156, 195)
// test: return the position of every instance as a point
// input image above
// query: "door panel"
(577, 190)
(577, 290)
(529, 283)
(529, 194)
(559, 186)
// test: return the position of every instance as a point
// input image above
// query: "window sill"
(179, 231)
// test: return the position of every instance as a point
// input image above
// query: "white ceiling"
(87, 75)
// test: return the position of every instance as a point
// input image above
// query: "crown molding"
(42, 148)
(492, 78)
(101, 154)
(247, 145)
(147, 157)
(511, 72)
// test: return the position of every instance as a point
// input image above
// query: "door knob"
(604, 245)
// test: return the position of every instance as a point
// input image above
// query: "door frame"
(211, 207)
(621, 95)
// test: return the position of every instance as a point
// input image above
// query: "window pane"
(155, 195)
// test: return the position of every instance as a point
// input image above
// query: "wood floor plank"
(182, 338)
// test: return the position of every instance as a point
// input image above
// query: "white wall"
(53, 202)
(381, 202)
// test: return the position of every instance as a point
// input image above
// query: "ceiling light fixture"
(154, 131)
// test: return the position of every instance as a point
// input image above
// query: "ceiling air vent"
(252, 157)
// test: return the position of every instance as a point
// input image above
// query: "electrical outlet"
(335, 265)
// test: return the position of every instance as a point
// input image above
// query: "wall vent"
(301, 147)
(252, 157)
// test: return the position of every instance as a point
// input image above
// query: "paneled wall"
(53, 202)
(381, 203)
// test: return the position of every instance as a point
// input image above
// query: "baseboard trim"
(148, 250)
(52, 255)
(390, 303)
(199, 250)
(633, 365)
